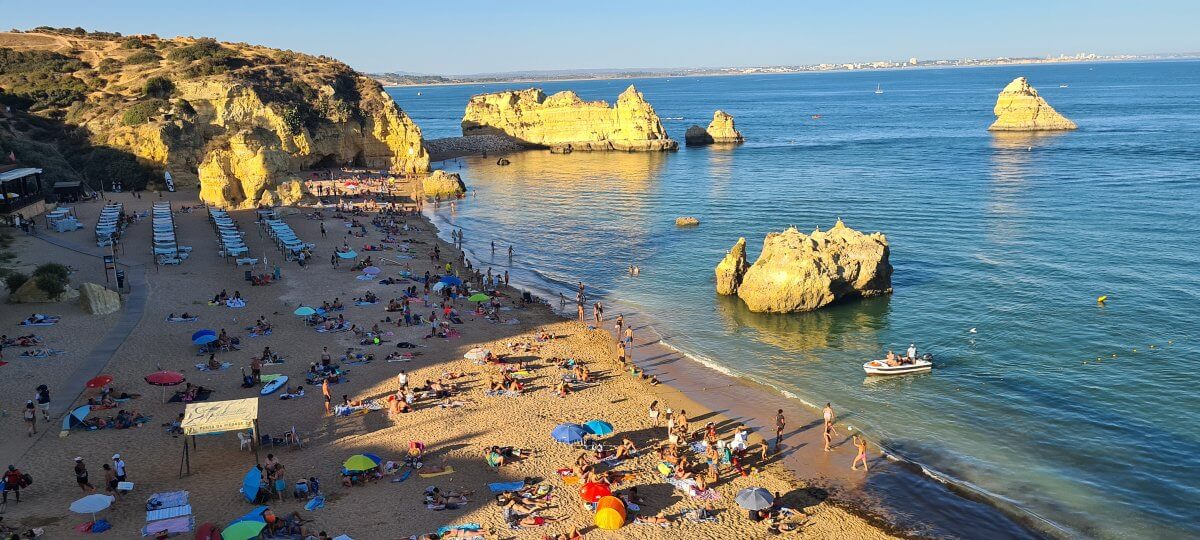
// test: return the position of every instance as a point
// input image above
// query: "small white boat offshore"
(903, 367)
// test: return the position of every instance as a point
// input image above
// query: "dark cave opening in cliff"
(329, 161)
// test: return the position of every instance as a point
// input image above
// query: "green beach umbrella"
(359, 462)
(243, 530)
(479, 297)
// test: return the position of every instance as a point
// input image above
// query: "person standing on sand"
(12, 482)
(780, 423)
(828, 435)
(110, 481)
(328, 397)
(42, 397)
(598, 312)
(119, 468)
(81, 476)
(629, 337)
(654, 412)
(323, 234)
(861, 444)
(620, 324)
(506, 278)
(830, 418)
(580, 306)
(31, 417)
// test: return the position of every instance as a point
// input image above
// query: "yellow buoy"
(1102, 299)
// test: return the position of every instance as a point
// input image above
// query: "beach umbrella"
(243, 530)
(479, 297)
(165, 379)
(251, 483)
(76, 416)
(347, 254)
(99, 381)
(304, 311)
(204, 332)
(205, 339)
(609, 519)
(608, 501)
(378, 460)
(598, 428)
(569, 433)
(592, 491)
(92, 504)
(207, 531)
(450, 280)
(478, 353)
(359, 462)
(371, 270)
(438, 286)
(754, 498)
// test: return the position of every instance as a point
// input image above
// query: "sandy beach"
(455, 436)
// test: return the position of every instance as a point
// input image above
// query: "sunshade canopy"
(165, 378)
(754, 498)
(219, 416)
(569, 433)
(99, 381)
(598, 427)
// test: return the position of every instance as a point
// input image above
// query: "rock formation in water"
(732, 268)
(443, 185)
(720, 131)
(97, 300)
(687, 221)
(564, 122)
(236, 118)
(799, 272)
(1020, 108)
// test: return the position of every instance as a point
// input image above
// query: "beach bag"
(26, 480)
(100, 526)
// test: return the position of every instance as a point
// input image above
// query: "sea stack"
(731, 269)
(564, 123)
(443, 185)
(799, 272)
(720, 131)
(1020, 108)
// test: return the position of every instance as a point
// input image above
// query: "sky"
(465, 37)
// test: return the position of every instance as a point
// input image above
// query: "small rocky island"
(799, 272)
(1020, 108)
(720, 131)
(563, 122)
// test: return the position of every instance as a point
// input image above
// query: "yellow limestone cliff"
(799, 272)
(720, 131)
(1020, 108)
(241, 120)
(732, 268)
(566, 123)
(442, 185)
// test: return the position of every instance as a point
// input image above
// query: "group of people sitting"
(27, 340)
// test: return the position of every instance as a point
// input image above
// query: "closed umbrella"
(754, 498)
(371, 270)
(569, 433)
(598, 428)
(359, 462)
(99, 381)
(304, 311)
(92, 504)
(479, 297)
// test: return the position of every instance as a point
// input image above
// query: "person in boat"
(912, 352)
(891, 359)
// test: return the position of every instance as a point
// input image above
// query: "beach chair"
(244, 441)
(293, 438)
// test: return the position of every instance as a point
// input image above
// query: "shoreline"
(886, 504)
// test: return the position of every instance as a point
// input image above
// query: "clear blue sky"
(458, 37)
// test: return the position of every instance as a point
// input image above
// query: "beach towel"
(403, 476)
(168, 513)
(166, 499)
(501, 487)
(42, 353)
(316, 503)
(204, 366)
(469, 527)
(254, 334)
(322, 330)
(181, 319)
(177, 525)
(361, 303)
(447, 470)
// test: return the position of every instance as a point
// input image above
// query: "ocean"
(1081, 414)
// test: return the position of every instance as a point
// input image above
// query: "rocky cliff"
(732, 268)
(1020, 108)
(565, 122)
(720, 131)
(799, 272)
(443, 185)
(236, 118)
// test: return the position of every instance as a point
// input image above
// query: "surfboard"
(274, 385)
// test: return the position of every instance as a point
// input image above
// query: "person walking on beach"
(830, 418)
(580, 306)
(81, 476)
(654, 413)
(31, 417)
(620, 324)
(13, 480)
(780, 423)
(828, 435)
(323, 234)
(861, 444)
(110, 481)
(42, 397)
(598, 312)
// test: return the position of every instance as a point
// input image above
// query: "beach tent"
(569, 433)
(213, 417)
(610, 513)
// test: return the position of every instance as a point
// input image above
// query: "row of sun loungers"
(284, 237)
(164, 243)
(109, 224)
(62, 219)
(230, 241)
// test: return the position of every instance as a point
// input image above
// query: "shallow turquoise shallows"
(1087, 415)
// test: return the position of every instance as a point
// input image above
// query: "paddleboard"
(274, 385)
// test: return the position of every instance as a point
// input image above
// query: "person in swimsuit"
(861, 444)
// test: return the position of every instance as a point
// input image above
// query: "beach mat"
(449, 470)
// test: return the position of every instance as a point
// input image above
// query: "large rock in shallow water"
(720, 131)
(97, 300)
(732, 268)
(442, 184)
(565, 122)
(1020, 108)
(799, 272)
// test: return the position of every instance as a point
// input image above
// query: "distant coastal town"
(412, 79)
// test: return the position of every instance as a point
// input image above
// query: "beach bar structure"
(21, 193)
(215, 417)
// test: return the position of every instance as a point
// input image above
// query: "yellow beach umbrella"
(609, 519)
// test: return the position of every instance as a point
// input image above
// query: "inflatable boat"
(881, 367)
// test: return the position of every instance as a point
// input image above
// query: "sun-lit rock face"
(565, 122)
(1020, 108)
(799, 272)
(731, 269)
(443, 185)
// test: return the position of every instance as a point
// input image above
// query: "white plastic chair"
(244, 441)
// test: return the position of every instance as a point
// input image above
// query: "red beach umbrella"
(593, 491)
(99, 381)
(165, 378)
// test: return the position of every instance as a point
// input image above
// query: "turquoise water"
(1014, 236)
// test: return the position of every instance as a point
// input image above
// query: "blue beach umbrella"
(347, 254)
(251, 483)
(569, 433)
(204, 332)
(247, 526)
(76, 417)
(304, 311)
(451, 280)
(378, 460)
(599, 428)
(205, 339)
